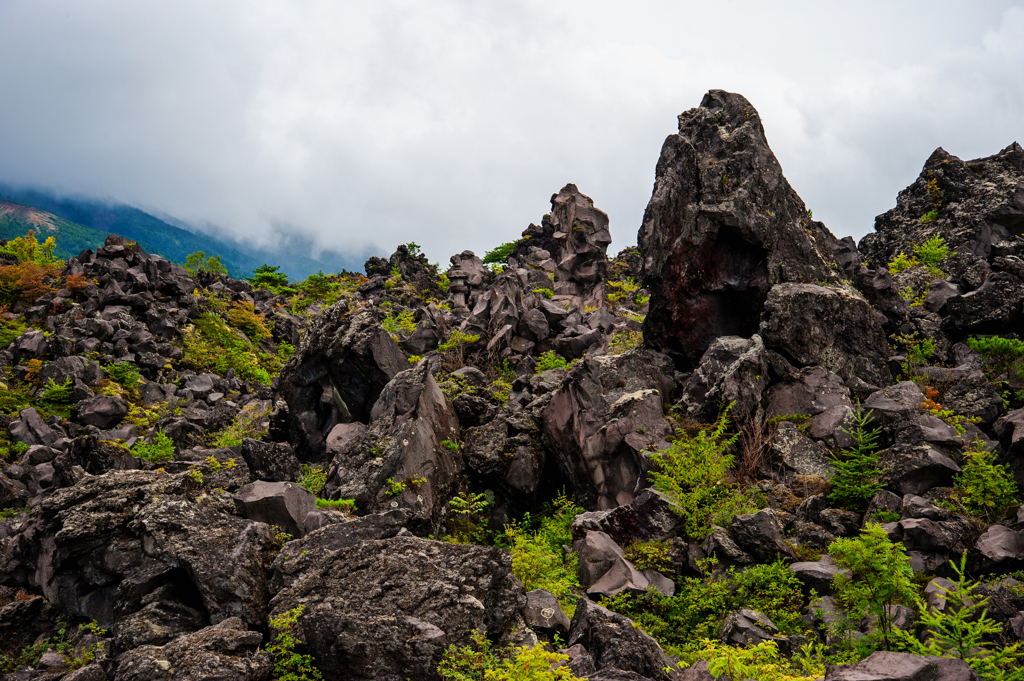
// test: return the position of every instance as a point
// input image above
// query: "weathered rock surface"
(722, 227)
(387, 609)
(607, 414)
(411, 423)
(889, 666)
(614, 643)
(336, 376)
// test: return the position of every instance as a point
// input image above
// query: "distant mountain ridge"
(79, 223)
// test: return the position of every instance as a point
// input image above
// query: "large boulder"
(112, 543)
(732, 370)
(102, 411)
(602, 422)
(411, 441)
(388, 608)
(722, 227)
(283, 504)
(345, 360)
(614, 643)
(582, 235)
(889, 666)
(227, 651)
(829, 326)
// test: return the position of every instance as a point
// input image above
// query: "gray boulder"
(102, 411)
(543, 613)
(409, 422)
(602, 422)
(889, 666)
(614, 643)
(760, 534)
(345, 360)
(732, 370)
(274, 462)
(832, 327)
(722, 227)
(389, 608)
(284, 504)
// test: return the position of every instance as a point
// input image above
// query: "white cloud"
(451, 123)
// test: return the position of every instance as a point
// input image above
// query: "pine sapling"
(855, 480)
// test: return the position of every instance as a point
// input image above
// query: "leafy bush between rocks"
(212, 345)
(1002, 355)
(763, 662)
(198, 262)
(538, 560)
(161, 449)
(682, 622)
(288, 664)
(58, 393)
(499, 254)
(879, 577)
(963, 631)
(549, 360)
(313, 478)
(9, 330)
(984, 488)
(480, 661)
(248, 423)
(692, 474)
(244, 317)
(124, 374)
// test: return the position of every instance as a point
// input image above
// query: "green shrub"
(879, 577)
(650, 554)
(901, 262)
(549, 360)
(211, 345)
(9, 330)
(931, 253)
(855, 480)
(692, 472)
(499, 254)
(59, 393)
(772, 588)
(763, 662)
(13, 399)
(1002, 355)
(963, 631)
(288, 664)
(467, 518)
(538, 559)
(985, 488)
(917, 351)
(313, 478)
(248, 423)
(930, 216)
(394, 487)
(198, 262)
(244, 317)
(160, 450)
(268, 277)
(546, 292)
(624, 341)
(124, 374)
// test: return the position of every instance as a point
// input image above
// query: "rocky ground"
(205, 478)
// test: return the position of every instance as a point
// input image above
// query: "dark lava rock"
(889, 666)
(388, 609)
(336, 376)
(614, 643)
(830, 326)
(600, 424)
(722, 227)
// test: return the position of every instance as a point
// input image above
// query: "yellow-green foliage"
(289, 665)
(27, 249)
(160, 450)
(313, 478)
(211, 345)
(902, 262)
(763, 662)
(625, 340)
(482, 662)
(985, 488)
(248, 423)
(538, 560)
(652, 554)
(619, 290)
(692, 472)
(198, 262)
(244, 317)
(9, 330)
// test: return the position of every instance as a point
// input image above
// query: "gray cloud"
(451, 123)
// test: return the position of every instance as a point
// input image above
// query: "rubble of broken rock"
(386, 476)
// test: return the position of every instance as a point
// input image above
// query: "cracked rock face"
(722, 227)
(388, 608)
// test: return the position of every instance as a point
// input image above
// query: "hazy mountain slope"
(96, 219)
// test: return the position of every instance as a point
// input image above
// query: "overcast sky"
(452, 123)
